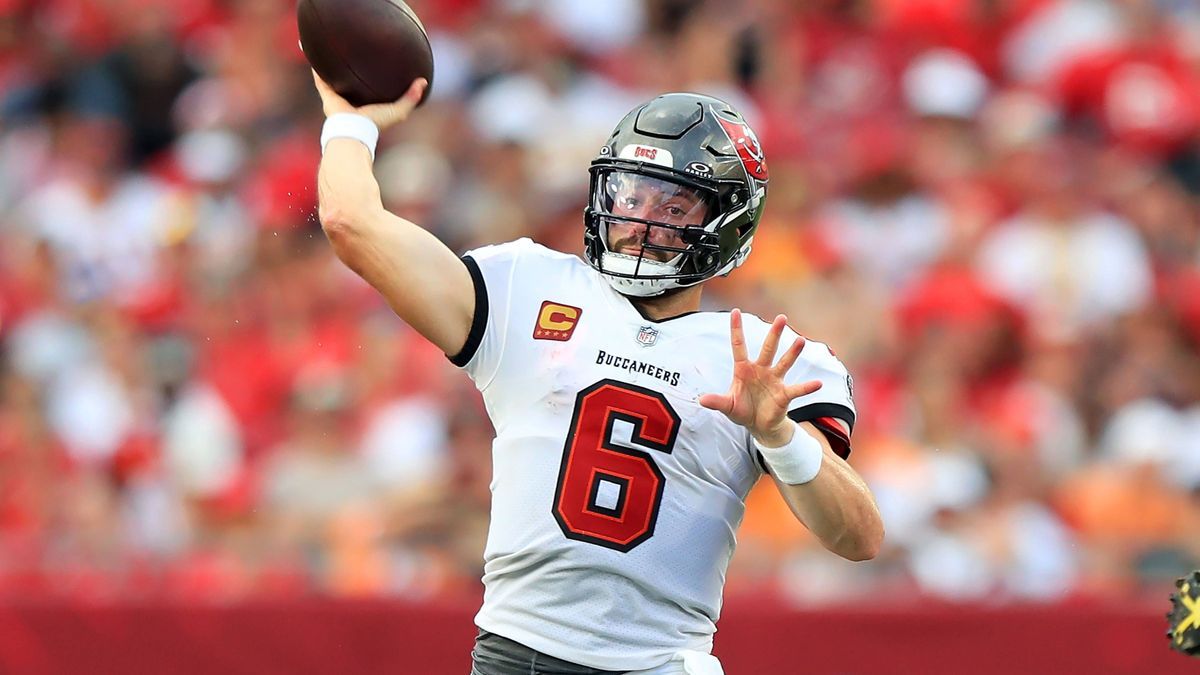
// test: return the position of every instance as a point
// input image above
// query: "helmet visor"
(650, 216)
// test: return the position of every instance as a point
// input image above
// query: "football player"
(620, 472)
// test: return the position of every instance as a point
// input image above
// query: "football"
(369, 51)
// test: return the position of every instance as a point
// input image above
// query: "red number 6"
(609, 495)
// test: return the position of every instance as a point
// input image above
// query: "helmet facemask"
(651, 232)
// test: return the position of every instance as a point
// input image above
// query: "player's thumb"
(388, 114)
(719, 402)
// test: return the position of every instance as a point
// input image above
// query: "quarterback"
(629, 425)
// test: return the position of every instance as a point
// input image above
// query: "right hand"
(384, 115)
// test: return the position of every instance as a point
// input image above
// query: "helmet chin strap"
(648, 283)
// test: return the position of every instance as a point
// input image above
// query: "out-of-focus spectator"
(314, 474)
(105, 225)
(1071, 263)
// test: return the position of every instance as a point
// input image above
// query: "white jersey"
(615, 495)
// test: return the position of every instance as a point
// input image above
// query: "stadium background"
(219, 451)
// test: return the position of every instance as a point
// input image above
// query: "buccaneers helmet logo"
(748, 148)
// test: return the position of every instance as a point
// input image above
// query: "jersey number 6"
(608, 494)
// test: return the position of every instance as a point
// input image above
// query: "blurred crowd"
(989, 209)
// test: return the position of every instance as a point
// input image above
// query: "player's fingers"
(719, 402)
(771, 343)
(794, 391)
(789, 357)
(737, 338)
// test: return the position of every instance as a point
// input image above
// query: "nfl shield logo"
(647, 336)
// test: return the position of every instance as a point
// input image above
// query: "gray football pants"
(496, 655)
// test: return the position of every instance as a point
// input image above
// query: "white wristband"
(797, 462)
(350, 125)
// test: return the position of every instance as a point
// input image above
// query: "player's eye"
(675, 211)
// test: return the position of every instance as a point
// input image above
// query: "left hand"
(758, 398)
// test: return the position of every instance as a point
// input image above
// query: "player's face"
(655, 200)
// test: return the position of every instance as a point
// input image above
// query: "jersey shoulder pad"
(524, 249)
(508, 249)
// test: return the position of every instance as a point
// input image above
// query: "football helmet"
(694, 158)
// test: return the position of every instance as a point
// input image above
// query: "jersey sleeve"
(830, 408)
(493, 271)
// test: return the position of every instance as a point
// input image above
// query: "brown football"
(369, 51)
